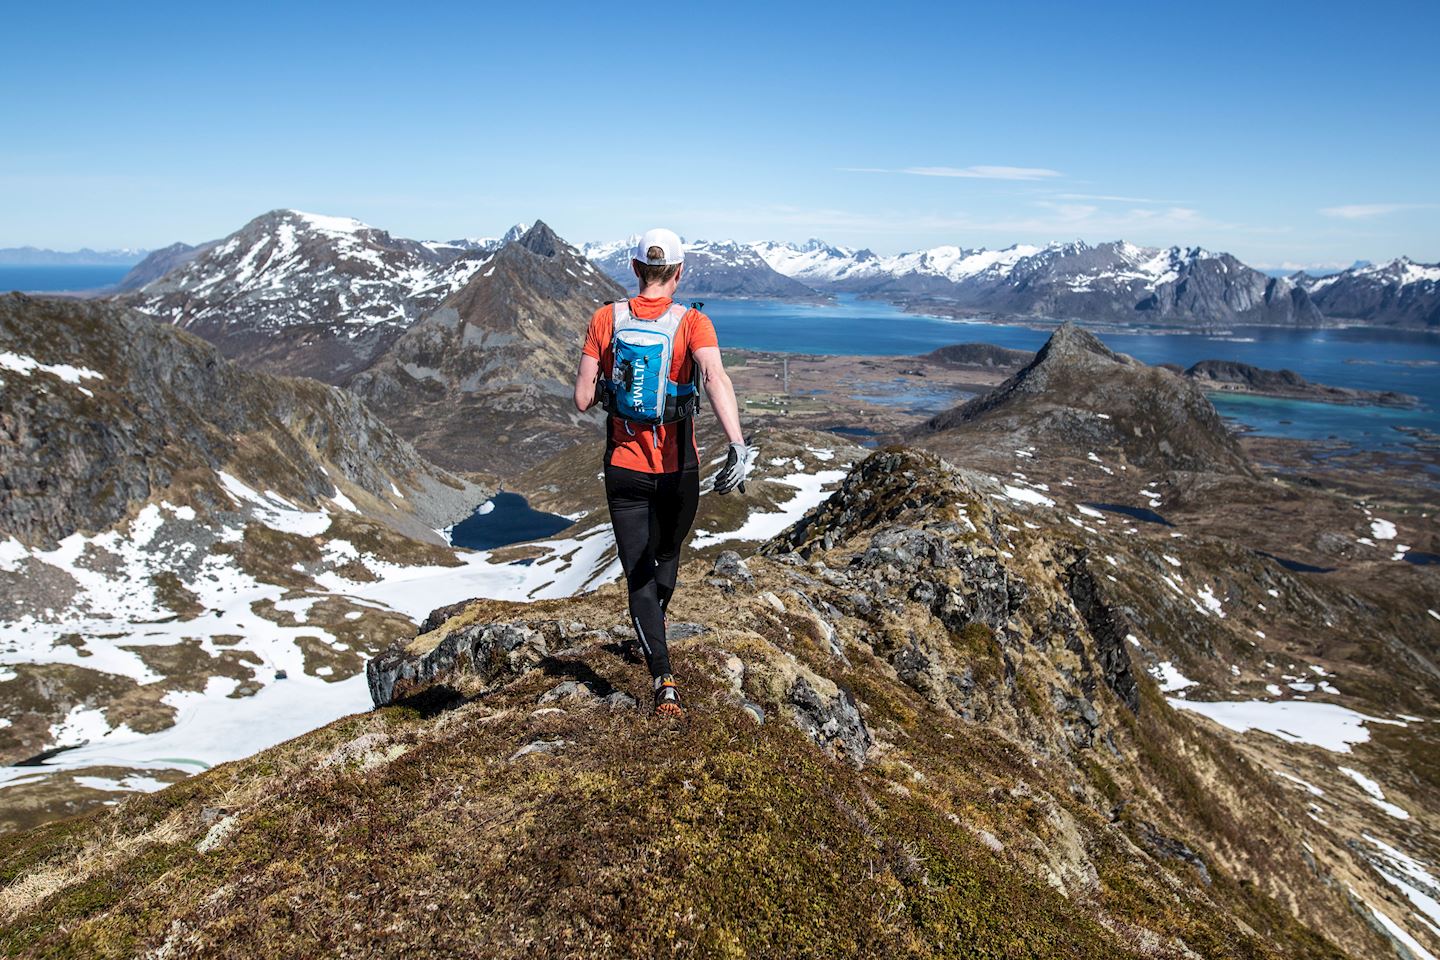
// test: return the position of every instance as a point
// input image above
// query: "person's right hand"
(737, 465)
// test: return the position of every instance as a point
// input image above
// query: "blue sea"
(1361, 358)
(45, 279)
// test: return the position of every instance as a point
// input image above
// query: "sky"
(1292, 135)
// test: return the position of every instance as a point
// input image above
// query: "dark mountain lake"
(1361, 358)
(40, 279)
(1143, 514)
(504, 519)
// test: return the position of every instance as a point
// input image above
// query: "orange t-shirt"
(638, 451)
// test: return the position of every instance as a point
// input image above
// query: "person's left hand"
(737, 466)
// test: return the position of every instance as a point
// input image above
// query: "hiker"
(644, 359)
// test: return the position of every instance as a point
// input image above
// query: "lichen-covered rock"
(832, 721)
(484, 652)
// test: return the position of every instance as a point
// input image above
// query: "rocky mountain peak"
(1078, 396)
(540, 239)
(1073, 344)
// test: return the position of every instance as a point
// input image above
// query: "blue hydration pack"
(639, 388)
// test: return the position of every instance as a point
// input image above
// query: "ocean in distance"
(50, 278)
(1361, 358)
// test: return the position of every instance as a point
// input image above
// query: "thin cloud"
(1110, 198)
(1366, 211)
(978, 172)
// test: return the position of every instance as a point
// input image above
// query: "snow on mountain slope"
(718, 268)
(1399, 293)
(309, 294)
(1110, 281)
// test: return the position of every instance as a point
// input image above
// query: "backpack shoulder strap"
(622, 311)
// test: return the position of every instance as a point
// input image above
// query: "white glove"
(737, 465)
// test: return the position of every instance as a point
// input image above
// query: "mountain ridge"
(920, 727)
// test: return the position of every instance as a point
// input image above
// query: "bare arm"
(585, 381)
(720, 390)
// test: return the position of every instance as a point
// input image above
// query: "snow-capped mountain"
(303, 293)
(713, 268)
(1399, 293)
(1110, 281)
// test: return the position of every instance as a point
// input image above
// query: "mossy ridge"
(556, 853)
(712, 822)
(744, 782)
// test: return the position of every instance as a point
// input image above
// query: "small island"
(1231, 376)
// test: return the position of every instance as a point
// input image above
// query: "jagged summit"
(542, 240)
(1073, 344)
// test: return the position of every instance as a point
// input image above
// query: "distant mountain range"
(1401, 293)
(37, 257)
(712, 269)
(1116, 282)
(464, 347)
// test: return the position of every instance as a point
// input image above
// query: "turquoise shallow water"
(1365, 359)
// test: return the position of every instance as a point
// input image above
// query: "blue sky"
(1301, 134)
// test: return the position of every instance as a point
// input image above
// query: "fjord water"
(1356, 357)
(46, 277)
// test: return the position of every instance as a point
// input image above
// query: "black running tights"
(651, 514)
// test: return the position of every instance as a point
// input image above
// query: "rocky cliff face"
(305, 294)
(105, 410)
(174, 530)
(929, 720)
(485, 381)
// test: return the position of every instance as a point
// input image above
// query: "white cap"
(664, 239)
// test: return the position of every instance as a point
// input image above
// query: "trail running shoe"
(667, 698)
